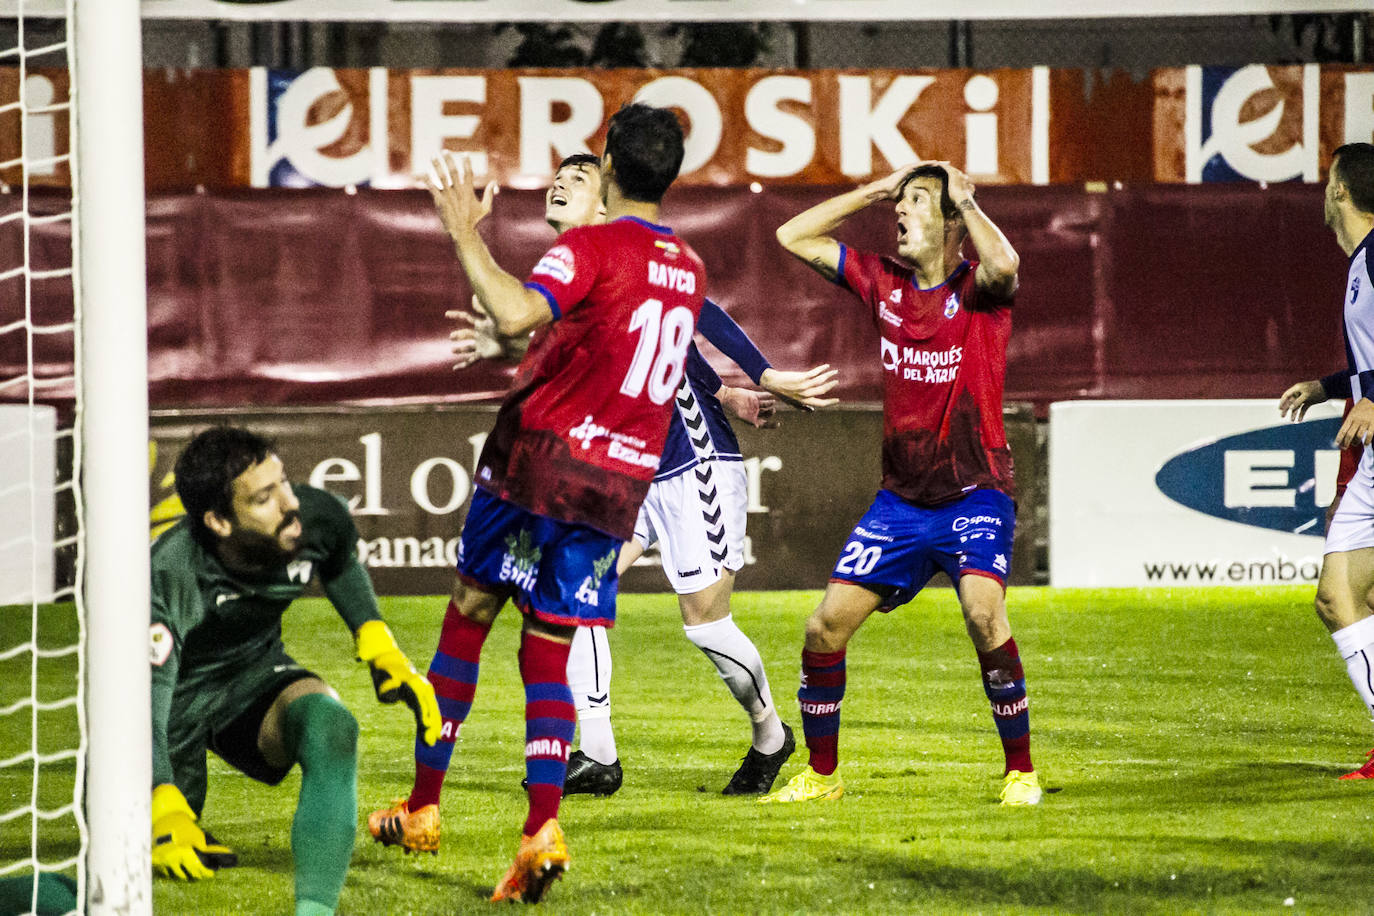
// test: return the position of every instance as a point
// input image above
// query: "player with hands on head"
(1347, 576)
(572, 453)
(946, 498)
(222, 578)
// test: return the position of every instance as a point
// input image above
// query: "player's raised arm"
(808, 234)
(515, 309)
(998, 262)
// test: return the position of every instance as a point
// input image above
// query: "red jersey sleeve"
(862, 272)
(566, 272)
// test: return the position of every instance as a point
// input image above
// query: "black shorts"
(237, 742)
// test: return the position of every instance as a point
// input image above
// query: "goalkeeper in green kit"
(221, 580)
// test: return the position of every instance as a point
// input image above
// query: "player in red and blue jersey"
(946, 498)
(576, 444)
(694, 512)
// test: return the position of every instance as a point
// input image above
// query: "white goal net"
(74, 776)
(43, 835)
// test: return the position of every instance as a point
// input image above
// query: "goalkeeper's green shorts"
(224, 714)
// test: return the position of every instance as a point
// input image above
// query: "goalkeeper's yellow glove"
(180, 848)
(395, 679)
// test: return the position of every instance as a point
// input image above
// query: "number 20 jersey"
(580, 434)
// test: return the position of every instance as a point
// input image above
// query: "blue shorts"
(560, 572)
(897, 547)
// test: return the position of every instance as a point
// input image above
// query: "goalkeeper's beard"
(263, 551)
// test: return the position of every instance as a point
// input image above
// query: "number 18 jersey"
(580, 434)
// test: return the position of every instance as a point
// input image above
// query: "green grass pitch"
(1190, 740)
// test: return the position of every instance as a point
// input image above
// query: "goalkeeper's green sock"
(322, 735)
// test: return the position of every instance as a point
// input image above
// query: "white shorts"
(1353, 525)
(697, 518)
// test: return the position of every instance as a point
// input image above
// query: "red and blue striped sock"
(550, 719)
(1005, 684)
(453, 672)
(822, 689)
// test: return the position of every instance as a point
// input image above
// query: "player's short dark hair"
(206, 469)
(646, 146)
(937, 172)
(579, 159)
(1354, 166)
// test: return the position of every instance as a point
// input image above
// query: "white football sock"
(589, 678)
(1356, 645)
(741, 667)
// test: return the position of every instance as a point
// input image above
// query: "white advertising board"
(1188, 492)
(27, 502)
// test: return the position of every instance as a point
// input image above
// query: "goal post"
(112, 399)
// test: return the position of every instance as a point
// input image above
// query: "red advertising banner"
(322, 297)
(328, 127)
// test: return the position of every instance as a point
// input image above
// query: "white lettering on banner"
(341, 470)
(372, 483)
(1326, 465)
(430, 126)
(408, 552)
(864, 125)
(1257, 478)
(980, 128)
(301, 142)
(336, 470)
(1235, 141)
(1359, 108)
(40, 127)
(753, 473)
(796, 136)
(419, 485)
(539, 133)
(703, 114)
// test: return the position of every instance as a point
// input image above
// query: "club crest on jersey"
(558, 263)
(951, 305)
(159, 644)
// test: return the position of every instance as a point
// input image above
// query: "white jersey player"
(1348, 566)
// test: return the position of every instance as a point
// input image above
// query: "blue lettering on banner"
(1266, 478)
